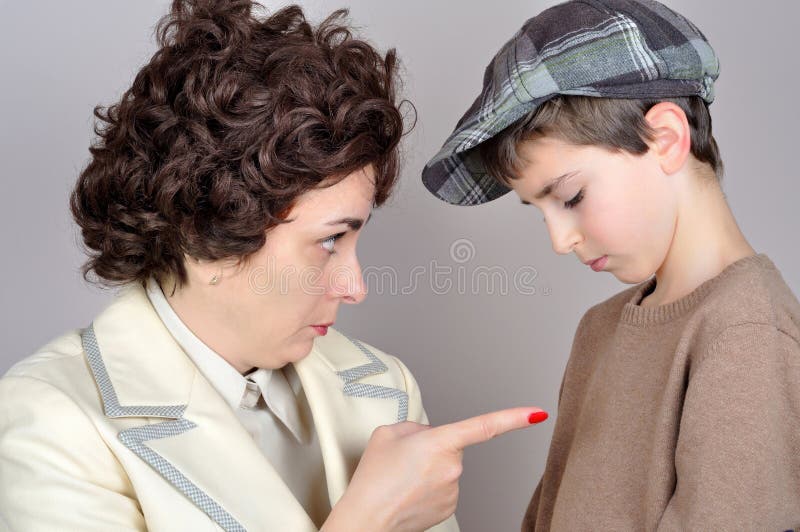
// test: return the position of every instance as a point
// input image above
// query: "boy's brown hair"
(614, 124)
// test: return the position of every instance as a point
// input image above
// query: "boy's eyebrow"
(553, 185)
(354, 223)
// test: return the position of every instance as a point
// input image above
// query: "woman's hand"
(407, 479)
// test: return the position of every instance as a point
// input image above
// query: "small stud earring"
(214, 279)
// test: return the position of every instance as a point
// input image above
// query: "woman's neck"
(200, 314)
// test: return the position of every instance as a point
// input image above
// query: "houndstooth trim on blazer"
(111, 404)
(359, 389)
(134, 438)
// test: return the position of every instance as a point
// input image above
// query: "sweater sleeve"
(737, 459)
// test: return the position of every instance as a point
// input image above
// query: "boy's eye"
(574, 201)
(328, 243)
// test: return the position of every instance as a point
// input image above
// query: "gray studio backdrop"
(472, 348)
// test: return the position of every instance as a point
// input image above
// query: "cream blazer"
(113, 428)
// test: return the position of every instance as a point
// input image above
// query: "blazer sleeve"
(56, 472)
(416, 413)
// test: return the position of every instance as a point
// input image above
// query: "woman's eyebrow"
(353, 223)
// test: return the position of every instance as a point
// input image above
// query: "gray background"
(471, 352)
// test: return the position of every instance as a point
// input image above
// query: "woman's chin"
(295, 350)
(299, 349)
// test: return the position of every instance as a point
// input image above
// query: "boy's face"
(609, 204)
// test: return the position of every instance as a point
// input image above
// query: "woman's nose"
(348, 283)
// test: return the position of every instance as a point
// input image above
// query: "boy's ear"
(672, 139)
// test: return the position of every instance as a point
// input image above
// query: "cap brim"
(461, 179)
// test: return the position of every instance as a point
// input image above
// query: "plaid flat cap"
(602, 48)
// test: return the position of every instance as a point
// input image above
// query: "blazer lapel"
(342, 380)
(190, 435)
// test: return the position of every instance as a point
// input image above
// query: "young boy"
(680, 403)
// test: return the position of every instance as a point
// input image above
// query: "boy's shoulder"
(757, 294)
(611, 308)
(600, 321)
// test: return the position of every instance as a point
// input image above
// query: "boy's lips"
(597, 264)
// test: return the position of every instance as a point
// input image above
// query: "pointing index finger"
(483, 428)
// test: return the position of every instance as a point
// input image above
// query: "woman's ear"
(672, 138)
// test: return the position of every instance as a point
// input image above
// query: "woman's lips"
(322, 330)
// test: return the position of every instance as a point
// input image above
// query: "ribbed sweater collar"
(634, 314)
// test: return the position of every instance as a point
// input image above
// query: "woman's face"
(609, 204)
(286, 295)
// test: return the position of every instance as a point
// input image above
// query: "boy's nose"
(564, 237)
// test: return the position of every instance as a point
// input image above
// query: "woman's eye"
(328, 243)
(574, 201)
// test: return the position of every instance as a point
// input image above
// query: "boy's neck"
(706, 240)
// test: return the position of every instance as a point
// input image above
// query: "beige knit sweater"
(681, 417)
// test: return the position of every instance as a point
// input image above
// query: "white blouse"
(270, 404)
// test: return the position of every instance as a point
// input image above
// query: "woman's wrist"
(349, 515)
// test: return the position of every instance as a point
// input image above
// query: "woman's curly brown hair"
(231, 120)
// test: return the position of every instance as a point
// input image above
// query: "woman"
(225, 197)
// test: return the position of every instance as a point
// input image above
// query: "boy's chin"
(628, 277)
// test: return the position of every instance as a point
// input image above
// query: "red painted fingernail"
(537, 417)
